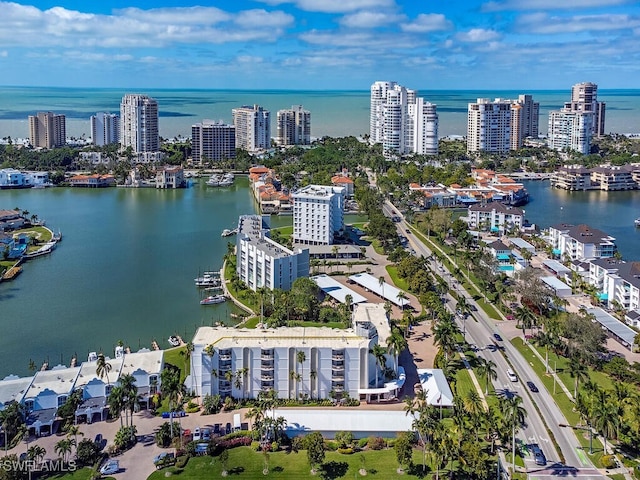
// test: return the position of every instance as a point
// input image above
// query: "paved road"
(479, 331)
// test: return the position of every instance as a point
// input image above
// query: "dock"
(12, 273)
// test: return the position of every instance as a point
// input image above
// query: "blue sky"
(321, 44)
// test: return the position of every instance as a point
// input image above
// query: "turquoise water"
(124, 270)
(333, 113)
(506, 268)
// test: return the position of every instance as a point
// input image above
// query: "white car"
(111, 467)
(197, 435)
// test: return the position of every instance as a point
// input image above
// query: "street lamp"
(580, 427)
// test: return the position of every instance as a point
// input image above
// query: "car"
(216, 429)
(164, 459)
(111, 467)
(538, 456)
(497, 337)
(206, 434)
(532, 387)
(512, 376)
(408, 231)
(197, 435)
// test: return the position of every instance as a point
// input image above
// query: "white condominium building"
(47, 130)
(295, 362)
(318, 214)
(261, 262)
(525, 114)
(294, 126)
(139, 123)
(495, 217)
(253, 128)
(489, 126)
(212, 141)
(581, 242)
(618, 280)
(402, 122)
(569, 130)
(105, 128)
(584, 98)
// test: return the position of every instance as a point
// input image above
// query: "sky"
(320, 44)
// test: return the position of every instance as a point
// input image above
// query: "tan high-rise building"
(584, 98)
(139, 123)
(47, 130)
(253, 128)
(489, 126)
(294, 126)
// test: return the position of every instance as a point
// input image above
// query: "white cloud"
(249, 59)
(476, 35)
(335, 6)
(517, 5)
(4, 54)
(369, 19)
(542, 23)
(133, 27)
(427, 22)
(361, 40)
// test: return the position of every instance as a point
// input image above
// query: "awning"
(603, 296)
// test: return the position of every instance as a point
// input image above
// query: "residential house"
(575, 242)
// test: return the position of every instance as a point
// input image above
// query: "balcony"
(266, 366)
(337, 378)
(337, 355)
(337, 367)
(266, 355)
(339, 388)
(224, 387)
(266, 378)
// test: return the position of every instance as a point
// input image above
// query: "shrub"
(331, 445)
(238, 434)
(344, 439)
(192, 407)
(298, 444)
(255, 445)
(608, 461)
(345, 451)
(274, 446)
(362, 443)
(182, 461)
(376, 443)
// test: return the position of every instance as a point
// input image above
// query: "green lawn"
(81, 474)
(245, 463)
(392, 270)
(285, 231)
(176, 357)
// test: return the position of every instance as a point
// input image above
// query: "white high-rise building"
(525, 114)
(584, 98)
(318, 214)
(47, 130)
(489, 126)
(105, 128)
(261, 262)
(423, 127)
(139, 123)
(212, 141)
(402, 122)
(294, 126)
(253, 128)
(570, 130)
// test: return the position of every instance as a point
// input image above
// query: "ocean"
(333, 113)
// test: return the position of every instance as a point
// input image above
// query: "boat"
(213, 299)
(227, 232)
(637, 222)
(174, 341)
(214, 181)
(208, 279)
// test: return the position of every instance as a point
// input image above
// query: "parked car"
(206, 434)
(197, 434)
(538, 456)
(180, 413)
(111, 467)
(532, 387)
(164, 459)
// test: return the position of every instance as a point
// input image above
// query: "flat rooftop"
(13, 389)
(88, 372)
(375, 314)
(623, 333)
(386, 290)
(148, 361)
(225, 337)
(60, 380)
(336, 290)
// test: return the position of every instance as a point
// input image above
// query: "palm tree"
(295, 376)
(402, 297)
(74, 431)
(116, 402)
(396, 343)
(63, 448)
(130, 390)
(378, 351)
(604, 421)
(301, 357)
(578, 371)
(36, 453)
(487, 368)
(526, 319)
(173, 390)
(312, 377)
(102, 367)
(186, 353)
(514, 415)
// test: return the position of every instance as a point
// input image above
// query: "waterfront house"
(343, 181)
(13, 389)
(436, 195)
(170, 177)
(145, 366)
(495, 217)
(11, 220)
(618, 282)
(96, 389)
(48, 391)
(92, 181)
(572, 177)
(611, 178)
(335, 360)
(580, 242)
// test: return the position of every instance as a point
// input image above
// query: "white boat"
(637, 222)
(213, 299)
(227, 233)
(174, 341)
(214, 180)
(207, 280)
